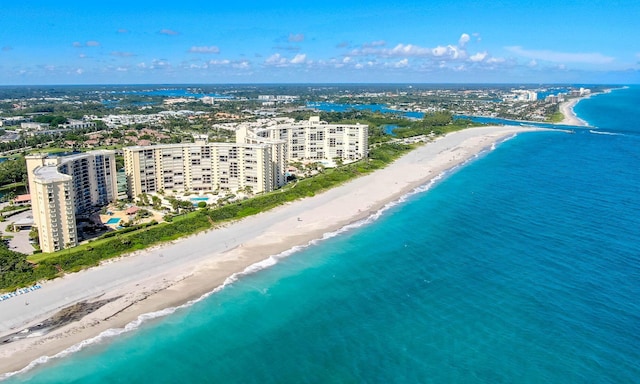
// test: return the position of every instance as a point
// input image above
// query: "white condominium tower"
(204, 166)
(318, 140)
(63, 187)
(257, 159)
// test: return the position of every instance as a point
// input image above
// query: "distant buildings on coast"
(65, 187)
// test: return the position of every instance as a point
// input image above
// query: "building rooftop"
(49, 174)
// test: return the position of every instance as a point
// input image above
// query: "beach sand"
(570, 117)
(173, 274)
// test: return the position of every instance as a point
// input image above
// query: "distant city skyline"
(73, 42)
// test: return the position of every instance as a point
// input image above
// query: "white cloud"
(79, 71)
(169, 32)
(408, 50)
(220, 62)
(478, 57)
(276, 59)
(300, 58)
(122, 69)
(561, 57)
(464, 39)
(296, 38)
(204, 49)
(495, 60)
(346, 60)
(90, 43)
(439, 51)
(402, 63)
(533, 63)
(241, 65)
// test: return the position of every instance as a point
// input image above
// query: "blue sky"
(429, 41)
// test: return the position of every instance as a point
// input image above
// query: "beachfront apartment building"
(315, 140)
(63, 187)
(257, 159)
(203, 166)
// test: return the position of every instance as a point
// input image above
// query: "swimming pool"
(199, 199)
(113, 220)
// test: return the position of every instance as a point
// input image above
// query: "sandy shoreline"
(570, 117)
(173, 274)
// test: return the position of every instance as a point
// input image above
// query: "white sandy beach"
(173, 274)
(570, 117)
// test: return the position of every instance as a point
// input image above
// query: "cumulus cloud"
(495, 60)
(219, 62)
(168, 32)
(79, 71)
(411, 50)
(241, 65)
(122, 54)
(90, 43)
(299, 59)
(296, 38)
(464, 39)
(478, 57)
(401, 64)
(278, 60)
(275, 59)
(204, 49)
(561, 57)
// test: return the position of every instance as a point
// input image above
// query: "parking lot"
(20, 240)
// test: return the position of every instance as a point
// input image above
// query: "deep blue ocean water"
(521, 267)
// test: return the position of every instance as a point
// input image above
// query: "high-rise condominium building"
(63, 187)
(318, 140)
(204, 166)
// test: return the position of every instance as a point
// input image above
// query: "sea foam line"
(605, 133)
(253, 268)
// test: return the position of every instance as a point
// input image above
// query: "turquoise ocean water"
(521, 267)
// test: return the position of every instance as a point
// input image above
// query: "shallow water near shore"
(523, 266)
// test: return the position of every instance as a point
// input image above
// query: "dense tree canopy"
(13, 171)
(52, 120)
